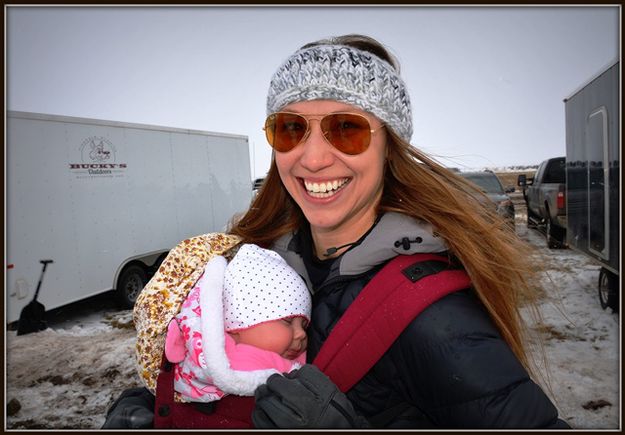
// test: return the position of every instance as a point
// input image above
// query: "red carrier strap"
(386, 305)
(389, 302)
(230, 412)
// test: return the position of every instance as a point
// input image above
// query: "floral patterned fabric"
(162, 297)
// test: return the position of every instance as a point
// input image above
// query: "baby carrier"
(401, 290)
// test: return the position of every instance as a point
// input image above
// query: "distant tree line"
(516, 168)
(523, 167)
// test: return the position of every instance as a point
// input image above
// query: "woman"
(345, 193)
(343, 185)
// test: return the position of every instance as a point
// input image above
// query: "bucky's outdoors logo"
(98, 159)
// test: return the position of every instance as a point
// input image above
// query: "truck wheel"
(608, 291)
(129, 285)
(555, 235)
(530, 219)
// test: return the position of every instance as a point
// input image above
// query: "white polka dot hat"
(259, 286)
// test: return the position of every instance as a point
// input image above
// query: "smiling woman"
(327, 205)
(347, 195)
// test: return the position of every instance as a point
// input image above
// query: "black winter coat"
(450, 368)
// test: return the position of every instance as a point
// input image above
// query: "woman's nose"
(317, 153)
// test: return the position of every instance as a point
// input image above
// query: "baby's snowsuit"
(258, 286)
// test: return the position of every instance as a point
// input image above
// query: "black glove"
(304, 398)
(134, 409)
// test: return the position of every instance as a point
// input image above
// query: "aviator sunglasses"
(349, 133)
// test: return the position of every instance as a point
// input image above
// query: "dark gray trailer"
(592, 177)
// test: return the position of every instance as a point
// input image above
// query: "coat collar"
(394, 234)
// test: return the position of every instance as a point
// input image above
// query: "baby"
(242, 322)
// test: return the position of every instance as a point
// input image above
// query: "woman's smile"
(324, 189)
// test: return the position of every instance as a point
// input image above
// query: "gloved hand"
(134, 409)
(303, 398)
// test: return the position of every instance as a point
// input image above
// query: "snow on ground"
(66, 376)
(580, 340)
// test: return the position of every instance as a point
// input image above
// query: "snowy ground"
(66, 376)
(581, 341)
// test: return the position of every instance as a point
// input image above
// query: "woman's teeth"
(326, 189)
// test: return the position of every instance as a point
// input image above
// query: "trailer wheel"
(129, 285)
(608, 291)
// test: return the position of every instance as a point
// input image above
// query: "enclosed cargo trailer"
(107, 200)
(592, 177)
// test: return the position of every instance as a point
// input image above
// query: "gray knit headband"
(345, 74)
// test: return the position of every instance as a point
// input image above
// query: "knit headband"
(345, 74)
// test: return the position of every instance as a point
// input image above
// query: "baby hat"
(259, 286)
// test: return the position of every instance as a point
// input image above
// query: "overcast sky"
(487, 83)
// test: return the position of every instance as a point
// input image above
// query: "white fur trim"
(241, 383)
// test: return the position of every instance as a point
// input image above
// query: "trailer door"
(598, 182)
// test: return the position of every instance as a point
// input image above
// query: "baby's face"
(286, 337)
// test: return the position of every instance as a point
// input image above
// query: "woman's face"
(347, 209)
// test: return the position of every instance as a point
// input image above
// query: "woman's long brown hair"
(417, 186)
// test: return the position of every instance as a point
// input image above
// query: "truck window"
(488, 182)
(539, 171)
(555, 172)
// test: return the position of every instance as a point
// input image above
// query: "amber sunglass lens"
(349, 133)
(285, 130)
(270, 127)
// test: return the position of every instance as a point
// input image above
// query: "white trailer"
(107, 200)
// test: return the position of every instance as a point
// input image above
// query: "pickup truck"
(544, 196)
